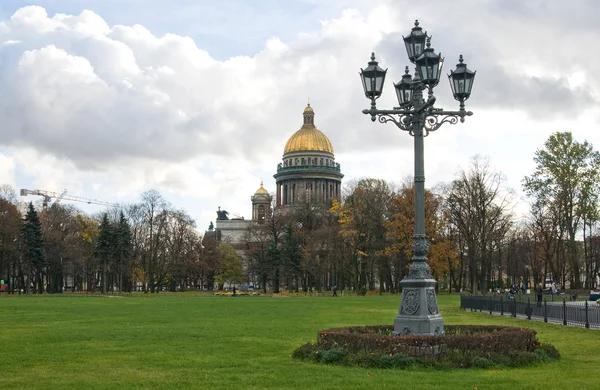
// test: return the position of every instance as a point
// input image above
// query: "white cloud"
(120, 110)
(7, 170)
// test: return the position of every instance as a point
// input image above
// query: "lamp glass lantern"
(415, 42)
(404, 90)
(461, 80)
(373, 78)
(430, 66)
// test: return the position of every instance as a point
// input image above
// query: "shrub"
(488, 339)
(305, 352)
(333, 355)
(461, 346)
(481, 362)
(549, 350)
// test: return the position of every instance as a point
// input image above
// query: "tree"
(230, 267)
(442, 251)
(291, 258)
(59, 230)
(123, 252)
(105, 249)
(480, 210)
(33, 242)
(10, 243)
(274, 263)
(209, 262)
(85, 264)
(567, 178)
(8, 193)
(361, 218)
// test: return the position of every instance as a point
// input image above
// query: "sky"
(196, 99)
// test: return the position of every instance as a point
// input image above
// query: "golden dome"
(308, 138)
(261, 190)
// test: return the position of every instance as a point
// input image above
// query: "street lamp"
(418, 314)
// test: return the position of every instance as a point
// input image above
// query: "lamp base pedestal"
(418, 314)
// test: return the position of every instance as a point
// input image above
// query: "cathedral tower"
(308, 172)
(261, 204)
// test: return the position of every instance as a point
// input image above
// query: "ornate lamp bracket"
(403, 122)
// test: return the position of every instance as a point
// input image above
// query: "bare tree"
(480, 207)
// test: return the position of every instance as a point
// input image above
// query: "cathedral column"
(318, 190)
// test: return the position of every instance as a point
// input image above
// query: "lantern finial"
(428, 42)
(416, 22)
(372, 56)
(460, 59)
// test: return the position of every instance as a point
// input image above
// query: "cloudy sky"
(109, 98)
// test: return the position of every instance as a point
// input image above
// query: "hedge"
(484, 340)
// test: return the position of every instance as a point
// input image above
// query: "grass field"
(172, 341)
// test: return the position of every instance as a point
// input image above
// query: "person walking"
(335, 291)
(540, 291)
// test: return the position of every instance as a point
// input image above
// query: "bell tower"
(261, 204)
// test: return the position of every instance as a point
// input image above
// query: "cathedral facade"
(308, 174)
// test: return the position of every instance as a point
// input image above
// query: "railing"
(311, 168)
(575, 313)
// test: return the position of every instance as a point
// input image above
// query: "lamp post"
(418, 314)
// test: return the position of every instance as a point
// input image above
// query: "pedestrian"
(553, 288)
(335, 291)
(540, 291)
(234, 291)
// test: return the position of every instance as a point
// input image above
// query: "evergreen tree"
(34, 246)
(292, 256)
(274, 265)
(124, 251)
(105, 249)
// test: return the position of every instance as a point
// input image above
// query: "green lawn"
(175, 341)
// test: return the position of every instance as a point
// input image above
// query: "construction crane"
(49, 195)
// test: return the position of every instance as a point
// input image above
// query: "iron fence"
(574, 313)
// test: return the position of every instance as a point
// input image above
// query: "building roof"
(308, 138)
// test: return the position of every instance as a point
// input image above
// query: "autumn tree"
(229, 267)
(362, 217)
(11, 269)
(400, 226)
(85, 264)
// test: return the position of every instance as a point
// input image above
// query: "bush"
(334, 355)
(461, 346)
(305, 352)
(481, 362)
(487, 339)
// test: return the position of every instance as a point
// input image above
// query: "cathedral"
(307, 174)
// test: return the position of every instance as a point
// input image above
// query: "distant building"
(308, 173)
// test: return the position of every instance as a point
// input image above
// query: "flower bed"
(239, 293)
(461, 346)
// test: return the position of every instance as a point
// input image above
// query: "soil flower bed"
(462, 346)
